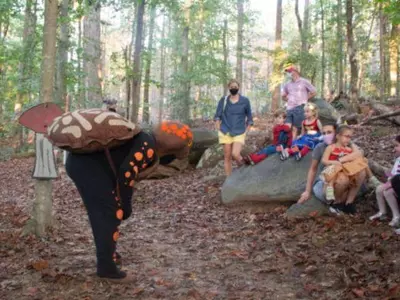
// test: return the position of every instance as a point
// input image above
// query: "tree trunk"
(306, 26)
(352, 57)
(239, 51)
(394, 59)
(42, 207)
(162, 71)
(26, 62)
(278, 45)
(340, 73)
(62, 56)
(149, 57)
(92, 54)
(81, 84)
(127, 62)
(137, 66)
(184, 70)
(382, 52)
(226, 54)
(323, 48)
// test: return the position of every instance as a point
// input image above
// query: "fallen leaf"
(40, 265)
(358, 292)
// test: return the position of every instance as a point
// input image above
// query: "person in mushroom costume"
(107, 155)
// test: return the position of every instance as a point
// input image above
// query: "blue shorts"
(295, 116)
(318, 190)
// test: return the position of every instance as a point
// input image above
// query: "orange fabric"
(138, 156)
(115, 236)
(120, 214)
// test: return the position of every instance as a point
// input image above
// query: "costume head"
(173, 138)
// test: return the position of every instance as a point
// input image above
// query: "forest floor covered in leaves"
(181, 243)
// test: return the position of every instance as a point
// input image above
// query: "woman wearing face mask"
(233, 119)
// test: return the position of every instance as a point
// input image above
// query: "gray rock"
(202, 140)
(327, 113)
(213, 155)
(172, 169)
(271, 181)
(311, 207)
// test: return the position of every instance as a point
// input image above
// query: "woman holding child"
(233, 119)
(344, 189)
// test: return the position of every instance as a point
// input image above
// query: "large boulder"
(202, 140)
(327, 113)
(271, 181)
(215, 154)
(169, 170)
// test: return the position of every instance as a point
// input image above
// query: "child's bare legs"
(360, 178)
(391, 199)
(380, 199)
(341, 188)
(228, 159)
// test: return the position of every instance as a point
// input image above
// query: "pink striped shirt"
(297, 92)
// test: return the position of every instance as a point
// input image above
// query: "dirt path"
(182, 244)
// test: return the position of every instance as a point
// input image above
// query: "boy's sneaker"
(284, 155)
(378, 216)
(248, 161)
(298, 156)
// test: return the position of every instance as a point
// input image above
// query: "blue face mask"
(288, 76)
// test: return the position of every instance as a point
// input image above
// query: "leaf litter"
(182, 243)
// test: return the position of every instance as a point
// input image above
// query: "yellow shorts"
(228, 139)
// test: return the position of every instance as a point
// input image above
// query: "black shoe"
(350, 209)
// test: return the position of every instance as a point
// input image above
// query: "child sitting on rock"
(282, 138)
(310, 134)
(386, 193)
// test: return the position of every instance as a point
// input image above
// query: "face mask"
(289, 76)
(328, 138)
(233, 91)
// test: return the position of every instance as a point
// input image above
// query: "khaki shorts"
(228, 139)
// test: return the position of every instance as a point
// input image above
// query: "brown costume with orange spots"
(106, 189)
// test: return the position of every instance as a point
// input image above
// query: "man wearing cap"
(296, 93)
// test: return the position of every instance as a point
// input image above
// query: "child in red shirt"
(282, 138)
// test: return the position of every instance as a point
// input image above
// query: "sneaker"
(298, 156)
(279, 148)
(330, 193)
(284, 154)
(397, 231)
(378, 216)
(334, 210)
(350, 209)
(248, 161)
(395, 222)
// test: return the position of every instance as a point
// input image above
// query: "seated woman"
(342, 187)
(332, 159)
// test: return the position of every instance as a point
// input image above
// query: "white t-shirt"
(396, 167)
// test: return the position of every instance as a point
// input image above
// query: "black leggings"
(96, 184)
